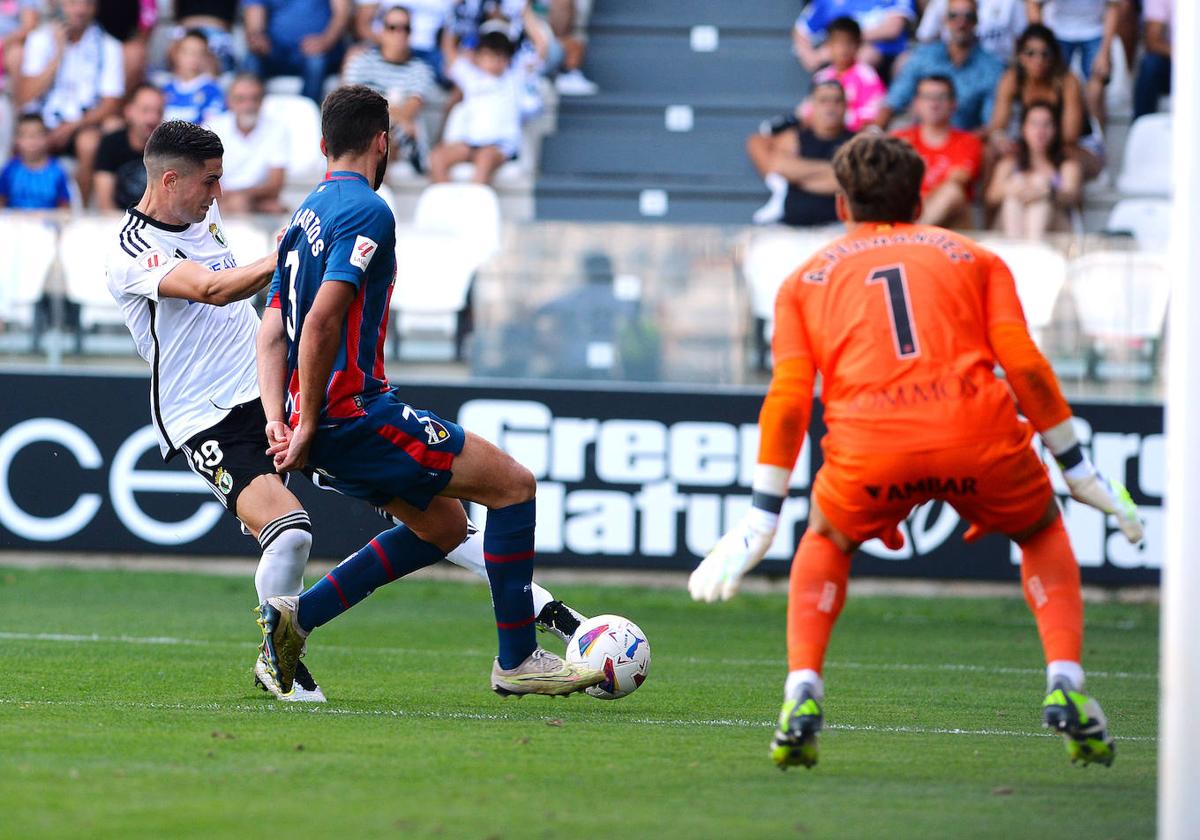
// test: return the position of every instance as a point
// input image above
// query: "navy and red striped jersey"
(342, 233)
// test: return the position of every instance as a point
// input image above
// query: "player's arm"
(782, 424)
(271, 359)
(319, 342)
(190, 280)
(1040, 398)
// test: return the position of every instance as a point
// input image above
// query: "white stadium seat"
(1039, 271)
(455, 230)
(28, 248)
(1146, 168)
(771, 255)
(85, 244)
(303, 120)
(1148, 219)
(1121, 300)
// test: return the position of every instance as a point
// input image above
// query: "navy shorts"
(393, 451)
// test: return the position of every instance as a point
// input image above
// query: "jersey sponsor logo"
(941, 389)
(364, 250)
(923, 488)
(217, 234)
(153, 259)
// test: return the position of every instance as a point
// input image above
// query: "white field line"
(319, 711)
(690, 660)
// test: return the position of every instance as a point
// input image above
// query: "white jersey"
(201, 356)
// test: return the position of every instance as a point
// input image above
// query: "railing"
(614, 302)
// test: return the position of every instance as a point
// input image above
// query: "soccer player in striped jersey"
(186, 303)
(331, 409)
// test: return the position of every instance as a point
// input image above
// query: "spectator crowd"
(85, 82)
(1004, 100)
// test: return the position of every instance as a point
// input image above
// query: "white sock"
(469, 555)
(772, 211)
(1064, 669)
(795, 679)
(285, 542)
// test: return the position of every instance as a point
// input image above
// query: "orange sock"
(816, 594)
(1050, 579)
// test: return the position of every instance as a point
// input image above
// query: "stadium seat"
(1146, 168)
(1040, 272)
(770, 256)
(27, 252)
(84, 242)
(1148, 219)
(247, 240)
(455, 230)
(1121, 300)
(303, 121)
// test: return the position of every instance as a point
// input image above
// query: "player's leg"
(1012, 495)
(489, 476)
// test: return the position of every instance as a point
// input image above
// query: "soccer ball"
(616, 646)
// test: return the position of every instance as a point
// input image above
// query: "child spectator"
(864, 89)
(953, 157)
(192, 94)
(1037, 185)
(485, 128)
(215, 18)
(33, 180)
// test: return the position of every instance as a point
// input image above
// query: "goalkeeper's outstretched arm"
(783, 422)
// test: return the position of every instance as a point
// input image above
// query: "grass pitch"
(126, 710)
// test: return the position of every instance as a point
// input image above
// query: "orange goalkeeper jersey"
(896, 319)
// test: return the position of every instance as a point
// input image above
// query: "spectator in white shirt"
(255, 151)
(999, 24)
(485, 128)
(73, 74)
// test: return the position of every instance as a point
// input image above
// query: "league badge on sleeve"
(153, 259)
(364, 250)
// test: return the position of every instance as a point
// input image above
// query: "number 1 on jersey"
(900, 309)
(291, 265)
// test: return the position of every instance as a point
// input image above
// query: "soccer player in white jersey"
(186, 303)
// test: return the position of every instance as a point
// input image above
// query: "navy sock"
(389, 556)
(508, 557)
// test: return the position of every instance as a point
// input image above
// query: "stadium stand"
(1146, 167)
(681, 84)
(1147, 219)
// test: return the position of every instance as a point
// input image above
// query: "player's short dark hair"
(846, 26)
(497, 42)
(351, 117)
(939, 79)
(880, 177)
(179, 144)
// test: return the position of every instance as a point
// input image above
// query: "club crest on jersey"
(153, 259)
(223, 480)
(217, 234)
(364, 250)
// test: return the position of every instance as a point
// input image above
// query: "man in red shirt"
(953, 158)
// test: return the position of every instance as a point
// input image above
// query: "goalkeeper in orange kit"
(905, 323)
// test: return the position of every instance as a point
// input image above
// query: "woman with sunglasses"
(1039, 74)
(1035, 187)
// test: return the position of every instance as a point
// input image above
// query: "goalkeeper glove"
(1088, 485)
(720, 573)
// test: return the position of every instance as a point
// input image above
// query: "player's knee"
(519, 487)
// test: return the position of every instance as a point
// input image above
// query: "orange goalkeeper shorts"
(996, 485)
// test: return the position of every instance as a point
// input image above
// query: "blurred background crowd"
(1040, 121)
